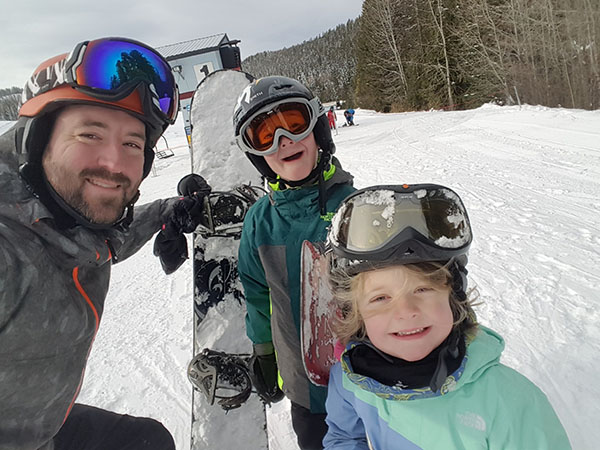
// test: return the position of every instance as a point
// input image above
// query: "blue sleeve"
(256, 289)
(346, 430)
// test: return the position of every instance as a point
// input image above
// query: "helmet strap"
(451, 351)
(322, 192)
(33, 176)
(313, 176)
(459, 273)
(80, 219)
(64, 215)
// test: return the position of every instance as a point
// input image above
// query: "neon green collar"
(327, 174)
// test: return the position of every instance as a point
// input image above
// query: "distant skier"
(332, 118)
(70, 169)
(283, 129)
(417, 370)
(349, 115)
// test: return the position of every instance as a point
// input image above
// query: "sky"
(32, 31)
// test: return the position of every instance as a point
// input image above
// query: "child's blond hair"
(347, 289)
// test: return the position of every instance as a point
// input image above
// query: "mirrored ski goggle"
(293, 118)
(109, 69)
(412, 222)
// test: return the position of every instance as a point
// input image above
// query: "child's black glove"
(263, 373)
(170, 244)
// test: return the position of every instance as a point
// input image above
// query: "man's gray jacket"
(53, 284)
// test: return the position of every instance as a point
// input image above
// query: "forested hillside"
(10, 99)
(326, 63)
(416, 54)
(405, 55)
(402, 55)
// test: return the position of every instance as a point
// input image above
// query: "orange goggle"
(293, 118)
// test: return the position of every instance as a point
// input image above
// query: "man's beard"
(98, 210)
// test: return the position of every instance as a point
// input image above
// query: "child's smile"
(293, 157)
(405, 315)
(412, 334)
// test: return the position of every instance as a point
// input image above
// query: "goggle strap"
(73, 61)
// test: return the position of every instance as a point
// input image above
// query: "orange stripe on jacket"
(93, 308)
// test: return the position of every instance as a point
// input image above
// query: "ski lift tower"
(191, 61)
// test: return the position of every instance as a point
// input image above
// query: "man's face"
(94, 160)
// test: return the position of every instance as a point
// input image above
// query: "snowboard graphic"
(219, 307)
(317, 311)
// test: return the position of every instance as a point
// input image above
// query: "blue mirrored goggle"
(113, 67)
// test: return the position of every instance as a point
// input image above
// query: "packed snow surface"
(530, 180)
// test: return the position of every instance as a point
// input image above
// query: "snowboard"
(317, 312)
(219, 307)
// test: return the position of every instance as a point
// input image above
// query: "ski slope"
(530, 178)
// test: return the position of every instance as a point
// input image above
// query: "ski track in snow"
(530, 178)
(532, 192)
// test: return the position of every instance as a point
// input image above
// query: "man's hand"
(170, 244)
(263, 372)
(193, 184)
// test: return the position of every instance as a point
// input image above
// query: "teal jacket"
(269, 268)
(482, 405)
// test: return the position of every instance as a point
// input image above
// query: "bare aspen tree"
(385, 18)
(490, 47)
(429, 53)
(378, 17)
(591, 28)
(437, 14)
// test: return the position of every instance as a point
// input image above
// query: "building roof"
(193, 46)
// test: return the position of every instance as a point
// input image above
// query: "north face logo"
(471, 420)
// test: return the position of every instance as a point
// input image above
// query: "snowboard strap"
(224, 212)
(222, 376)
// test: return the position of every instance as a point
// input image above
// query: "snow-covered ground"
(530, 178)
(4, 126)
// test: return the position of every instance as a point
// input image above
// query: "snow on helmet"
(275, 90)
(379, 226)
(112, 72)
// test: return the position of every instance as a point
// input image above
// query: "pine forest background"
(405, 55)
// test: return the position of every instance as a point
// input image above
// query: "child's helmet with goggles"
(277, 106)
(112, 72)
(381, 226)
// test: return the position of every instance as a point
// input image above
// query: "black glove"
(193, 184)
(171, 252)
(170, 244)
(263, 373)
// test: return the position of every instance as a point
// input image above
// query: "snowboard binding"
(224, 212)
(221, 376)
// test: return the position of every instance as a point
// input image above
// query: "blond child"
(418, 371)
